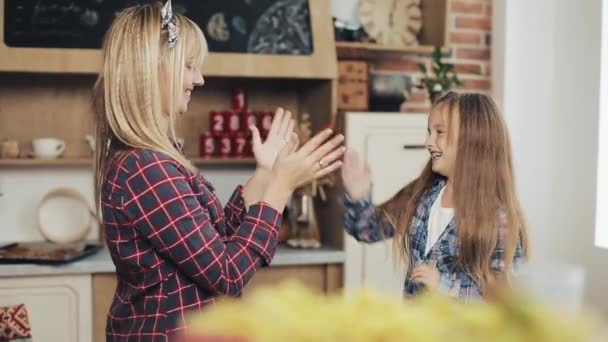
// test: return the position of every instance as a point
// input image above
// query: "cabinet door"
(393, 144)
(59, 308)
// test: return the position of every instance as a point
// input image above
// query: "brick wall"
(469, 26)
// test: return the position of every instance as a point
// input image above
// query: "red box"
(233, 120)
(239, 100)
(208, 145)
(225, 145)
(217, 123)
(265, 122)
(249, 147)
(240, 145)
(250, 118)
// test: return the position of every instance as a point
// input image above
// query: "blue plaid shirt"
(361, 221)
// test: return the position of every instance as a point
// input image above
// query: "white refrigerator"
(393, 144)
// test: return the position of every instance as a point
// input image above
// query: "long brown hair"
(483, 188)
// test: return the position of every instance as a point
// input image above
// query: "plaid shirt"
(175, 248)
(362, 223)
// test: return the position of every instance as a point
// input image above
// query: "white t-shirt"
(439, 219)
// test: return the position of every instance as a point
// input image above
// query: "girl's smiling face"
(442, 141)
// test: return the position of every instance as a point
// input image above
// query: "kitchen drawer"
(59, 308)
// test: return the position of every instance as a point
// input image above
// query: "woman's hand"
(280, 132)
(316, 158)
(356, 175)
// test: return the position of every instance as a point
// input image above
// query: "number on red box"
(217, 123)
(234, 122)
(208, 145)
(225, 145)
(240, 145)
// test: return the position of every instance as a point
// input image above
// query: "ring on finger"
(321, 164)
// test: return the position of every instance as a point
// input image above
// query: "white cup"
(48, 147)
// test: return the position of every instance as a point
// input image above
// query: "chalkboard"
(231, 26)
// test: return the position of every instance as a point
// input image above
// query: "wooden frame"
(371, 51)
(88, 61)
(62, 110)
(434, 33)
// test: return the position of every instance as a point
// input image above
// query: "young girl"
(175, 248)
(458, 227)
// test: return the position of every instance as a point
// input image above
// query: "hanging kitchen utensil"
(305, 226)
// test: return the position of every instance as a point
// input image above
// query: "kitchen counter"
(101, 262)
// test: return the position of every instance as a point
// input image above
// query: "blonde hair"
(127, 96)
(483, 187)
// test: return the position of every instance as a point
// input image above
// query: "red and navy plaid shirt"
(175, 248)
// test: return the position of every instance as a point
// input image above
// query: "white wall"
(22, 190)
(601, 234)
(546, 60)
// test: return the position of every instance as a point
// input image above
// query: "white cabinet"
(59, 307)
(393, 144)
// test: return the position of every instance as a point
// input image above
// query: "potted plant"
(441, 80)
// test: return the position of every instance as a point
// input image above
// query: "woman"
(175, 248)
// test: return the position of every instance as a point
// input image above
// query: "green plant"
(442, 79)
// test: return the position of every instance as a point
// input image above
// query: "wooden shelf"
(355, 50)
(224, 161)
(85, 162)
(27, 162)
